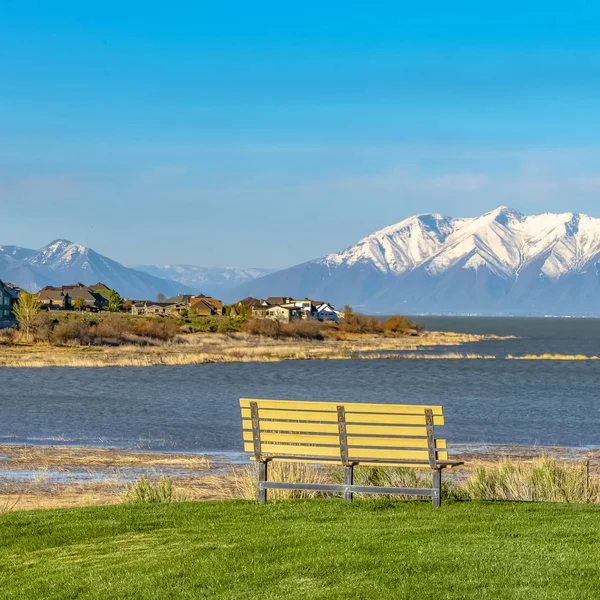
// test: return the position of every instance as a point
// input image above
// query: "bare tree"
(26, 311)
(161, 297)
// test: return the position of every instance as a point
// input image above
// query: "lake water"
(195, 408)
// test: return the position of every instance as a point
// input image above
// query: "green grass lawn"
(293, 550)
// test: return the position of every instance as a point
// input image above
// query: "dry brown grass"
(241, 483)
(204, 348)
(57, 458)
(544, 479)
(445, 356)
(552, 357)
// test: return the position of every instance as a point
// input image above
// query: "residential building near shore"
(278, 308)
(93, 298)
(8, 297)
(201, 306)
(286, 309)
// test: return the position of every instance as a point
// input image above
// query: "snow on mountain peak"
(502, 240)
(59, 253)
(398, 248)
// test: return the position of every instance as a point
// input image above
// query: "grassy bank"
(200, 348)
(299, 550)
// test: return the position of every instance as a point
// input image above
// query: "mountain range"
(501, 262)
(62, 262)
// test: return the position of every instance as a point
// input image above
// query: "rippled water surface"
(195, 408)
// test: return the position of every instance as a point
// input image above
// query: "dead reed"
(241, 485)
(552, 357)
(544, 479)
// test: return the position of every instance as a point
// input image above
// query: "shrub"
(163, 329)
(358, 323)
(226, 325)
(311, 330)
(8, 336)
(43, 327)
(144, 492)
(113, 326)
(264, 327)
(398, 324)
(76, 331)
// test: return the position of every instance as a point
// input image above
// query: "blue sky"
(267, 134)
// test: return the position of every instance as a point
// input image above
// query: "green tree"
(114, 302)
(26, 311)
(78, 303)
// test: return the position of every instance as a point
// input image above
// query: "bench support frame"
(263, 470)
(351, 489)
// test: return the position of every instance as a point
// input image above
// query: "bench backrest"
(343, 432)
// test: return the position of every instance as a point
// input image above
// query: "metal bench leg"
(437, 488)
(262, 476)
(348, 480)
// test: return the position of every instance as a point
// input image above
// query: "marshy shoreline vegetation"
(77, 339)
(63, 477)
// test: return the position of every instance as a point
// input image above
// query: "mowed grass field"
(303, 549)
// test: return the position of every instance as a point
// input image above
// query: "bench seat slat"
(407, 409)
(351, 428)
(333, 440)
(418, 464)
(334, 452)
(331, 417)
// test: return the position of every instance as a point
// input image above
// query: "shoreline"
(210, 348)
(39, 477)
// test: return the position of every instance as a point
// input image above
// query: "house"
(315, 309)
(250, 302)
(181, 299)
(55, 299)
(283, 314)
(276, 300)
(326, 312)
(148, 307)
(199, 303)
(14, 292)
(260, 311)
(203, 308)
(6, 302)
(93, 300)
(292, 309)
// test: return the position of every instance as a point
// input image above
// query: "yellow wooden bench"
(348, 434)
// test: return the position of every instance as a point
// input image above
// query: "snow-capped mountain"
(63, 262)
(211, 280)
(500, 262)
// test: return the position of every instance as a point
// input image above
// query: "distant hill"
(212, 281)
(502, 262)
(63, 262)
